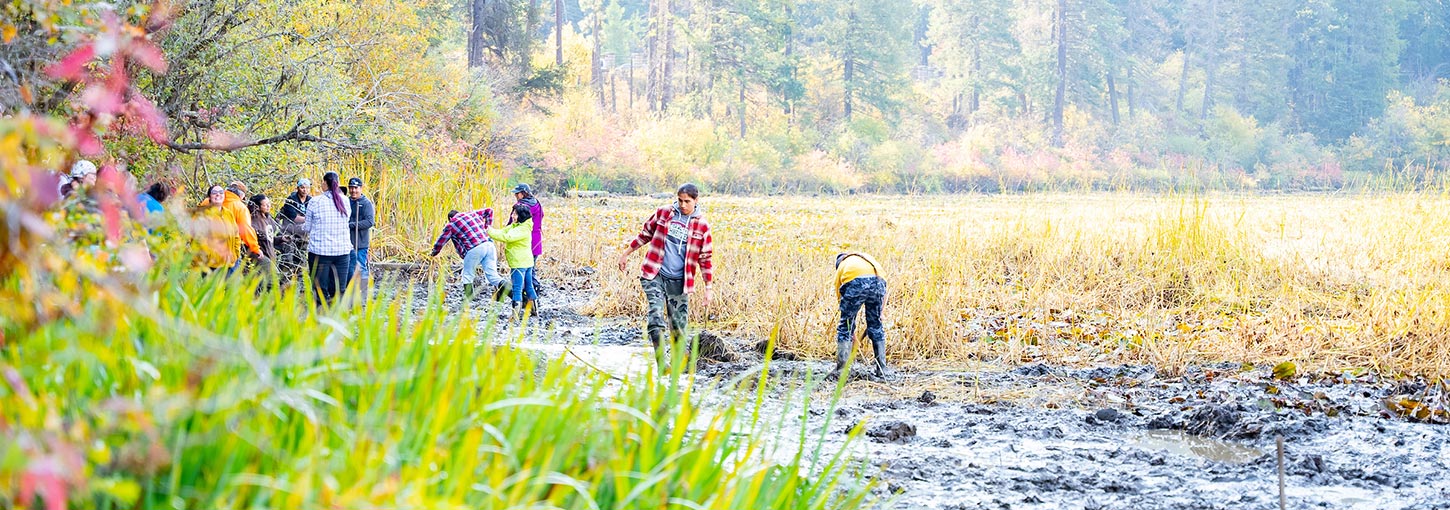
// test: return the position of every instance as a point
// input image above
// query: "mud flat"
(1043, 436)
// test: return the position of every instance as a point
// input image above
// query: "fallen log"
(579, 193)
(398, 266)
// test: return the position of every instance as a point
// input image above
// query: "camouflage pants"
(669, 307)
(868, 292)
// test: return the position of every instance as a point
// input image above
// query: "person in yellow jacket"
(517, 239)
(859, 284)
(217, 232)
(236, 206)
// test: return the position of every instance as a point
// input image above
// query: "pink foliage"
(108, 92)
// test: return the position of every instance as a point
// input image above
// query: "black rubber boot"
(879, 348)
(843, 354)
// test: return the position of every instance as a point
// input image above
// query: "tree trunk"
(976, 72)
(847, 76)
(1060, 102)
(1210, 64)
(1113, 97)
(651, 89)
(596, 63)
(668, 73)
(475, 32)
(559, 33)
(742, 106)
(1210, 71)
(789, 50)
(1183, 81)
(1132, 105)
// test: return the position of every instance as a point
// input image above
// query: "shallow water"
(1178, 442)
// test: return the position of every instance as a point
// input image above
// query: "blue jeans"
(523, 282)
(360, 263)
(240, 263)
(486, 255)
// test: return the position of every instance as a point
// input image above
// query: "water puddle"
(1182, 443)
(622, 362)
(1350, 497)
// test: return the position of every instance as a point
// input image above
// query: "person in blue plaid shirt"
(467, 232)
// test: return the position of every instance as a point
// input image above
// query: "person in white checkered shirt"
(329, 250)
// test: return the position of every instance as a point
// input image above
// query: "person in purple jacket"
(525, 196)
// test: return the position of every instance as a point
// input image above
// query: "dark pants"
(292, 259)
(534, 276)
(669, 308)
(330, 275)
(868, 292)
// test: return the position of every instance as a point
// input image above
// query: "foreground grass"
(1330, 282)
(206, 395)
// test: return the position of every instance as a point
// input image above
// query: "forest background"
(806, 96)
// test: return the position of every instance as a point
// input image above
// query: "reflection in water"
(1183, 443)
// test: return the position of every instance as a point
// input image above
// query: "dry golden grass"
(1330, 282)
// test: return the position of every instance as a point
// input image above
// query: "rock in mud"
(927, 397)
(1212, 420)
(1034, 370)
(779, 354)
(898, 432)
(714, 349)
(1106, 415)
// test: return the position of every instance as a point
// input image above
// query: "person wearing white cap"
(295, 207)
(82, 175)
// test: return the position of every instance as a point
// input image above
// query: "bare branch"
(298, 133)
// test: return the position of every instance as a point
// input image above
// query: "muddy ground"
(1043, 436)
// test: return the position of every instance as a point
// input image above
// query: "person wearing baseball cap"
(360, 225)
(525, 196)
(82, 175)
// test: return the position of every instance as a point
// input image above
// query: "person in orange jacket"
(236, 208)
(216, 232)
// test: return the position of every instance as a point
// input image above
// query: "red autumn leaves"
(102, 67)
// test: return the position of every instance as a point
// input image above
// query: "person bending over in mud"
(859, 283)
(468, 231)
(679, 247)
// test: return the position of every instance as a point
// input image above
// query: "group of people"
(328, 238)
(472, 235)
(333, 232)
(678, 263)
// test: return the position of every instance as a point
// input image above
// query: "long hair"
(255, 203)
(330, 179)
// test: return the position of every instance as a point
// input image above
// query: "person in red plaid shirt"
(467, 231)
(679, 247)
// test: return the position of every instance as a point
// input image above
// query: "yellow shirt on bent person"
(853, 266)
